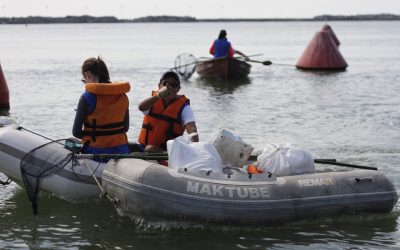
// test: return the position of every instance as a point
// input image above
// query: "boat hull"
(73, 182)
(223, 68)
(150, 190)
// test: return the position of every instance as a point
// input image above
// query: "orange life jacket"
(163, 123)
(104, 127)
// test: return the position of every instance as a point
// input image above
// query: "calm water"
(352, 116)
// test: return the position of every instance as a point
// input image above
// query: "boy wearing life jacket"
(102, 115)
(167, 115)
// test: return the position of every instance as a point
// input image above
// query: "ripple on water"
(351, 116)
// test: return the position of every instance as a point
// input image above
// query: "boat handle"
(363, 179)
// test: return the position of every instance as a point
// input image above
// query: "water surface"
(352, 116)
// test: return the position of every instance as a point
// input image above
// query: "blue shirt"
(222, 48)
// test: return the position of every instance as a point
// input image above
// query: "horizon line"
(207, 18)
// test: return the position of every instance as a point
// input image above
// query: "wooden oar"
(270, 63)
(252, 55)
(254, 158)
(135, 155)
(331, 162)
(322, 161)
(241, 57)
(263, 63)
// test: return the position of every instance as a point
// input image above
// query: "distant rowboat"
(224, 68)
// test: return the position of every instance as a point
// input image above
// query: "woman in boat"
(102, 115)
(166, 115)
(221, 47)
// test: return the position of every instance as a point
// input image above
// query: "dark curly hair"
(222, 34)
(97, 67)
(170, 74)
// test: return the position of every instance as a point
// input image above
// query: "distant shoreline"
(165, 19)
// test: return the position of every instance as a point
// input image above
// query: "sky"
(128, 9)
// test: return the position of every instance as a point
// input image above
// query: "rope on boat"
(75, 163)
(114, 201)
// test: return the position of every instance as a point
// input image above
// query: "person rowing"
(221, 47)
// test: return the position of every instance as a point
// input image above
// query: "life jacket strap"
(170, 132)
(147, 127)
(94, 132)
(103, 133)
(163, 117)
(106, 126)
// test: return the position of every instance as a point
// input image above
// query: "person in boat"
(166, 115)
(102, 115)
(221, 47)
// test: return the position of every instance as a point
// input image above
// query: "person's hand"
(173, 89)
(194, 137)
(164, 92)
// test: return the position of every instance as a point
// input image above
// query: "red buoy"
(4, 93)
(321, 54)
(328, 29)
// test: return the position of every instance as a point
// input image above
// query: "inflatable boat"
(73, 181)
(147, 189)
(151, 190)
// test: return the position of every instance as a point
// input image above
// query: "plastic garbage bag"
(232, 149)
(300, 161)
(7, 121)
(183, 153)
(273, 159)
(285, 160)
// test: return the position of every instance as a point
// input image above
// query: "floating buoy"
(328, 29)
(321, 54)
(4, 93)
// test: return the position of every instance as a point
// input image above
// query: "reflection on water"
(95, 223)
(4, 112)
(352, 116)
(221, 86)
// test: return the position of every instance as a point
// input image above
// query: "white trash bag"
(232, 149)
(285, 160)
(7, 121)
(183, 153)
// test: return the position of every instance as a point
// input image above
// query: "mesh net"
(185, 65)
(42, 162)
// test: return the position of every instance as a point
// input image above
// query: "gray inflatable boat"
(151, 190)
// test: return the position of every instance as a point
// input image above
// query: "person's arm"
(80, 116)
(231, 52)
(189, 123)
(147, 103)
(240, 53)
(190, 128)
(212, 49)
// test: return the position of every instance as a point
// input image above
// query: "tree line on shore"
(152, 19)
